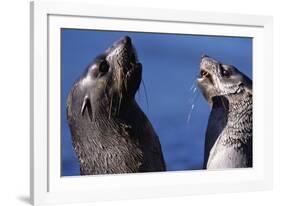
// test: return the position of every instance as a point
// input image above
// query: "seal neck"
(239, 104)
(236, 110)
(113, 110)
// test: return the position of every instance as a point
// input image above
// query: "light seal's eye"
(103, 67)
(225, 73)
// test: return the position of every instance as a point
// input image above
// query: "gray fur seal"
(110, 133)
(228, 142)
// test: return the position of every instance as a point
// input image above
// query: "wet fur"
(228, 142)
(110, 132)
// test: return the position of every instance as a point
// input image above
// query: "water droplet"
(193, 97)
(189, 115)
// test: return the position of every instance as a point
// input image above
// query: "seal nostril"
(204, 56)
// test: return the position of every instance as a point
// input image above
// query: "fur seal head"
(218, 79)
(112, 79)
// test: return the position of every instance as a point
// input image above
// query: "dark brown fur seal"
(228, 142)
(110, 132)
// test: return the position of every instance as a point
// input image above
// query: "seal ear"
(87, 104)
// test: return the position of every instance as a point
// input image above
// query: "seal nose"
(126, 40)
(204, 56)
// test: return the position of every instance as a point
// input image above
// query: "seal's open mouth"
(205, 75)
(206, 70)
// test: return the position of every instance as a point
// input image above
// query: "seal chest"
(228, 141)
(110, 133)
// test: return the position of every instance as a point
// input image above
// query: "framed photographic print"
(134, 103)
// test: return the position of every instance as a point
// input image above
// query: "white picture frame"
(47, 186)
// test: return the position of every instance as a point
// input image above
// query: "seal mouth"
(133, 63)
(128, 68)
(205, 75)
(206, 66)
(126, 72)
(130, 57)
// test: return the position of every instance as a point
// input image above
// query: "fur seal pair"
(110, 133)
(228, 142)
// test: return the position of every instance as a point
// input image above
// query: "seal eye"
(225, 73)
(103, 68)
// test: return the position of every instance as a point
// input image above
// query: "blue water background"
(170, 67)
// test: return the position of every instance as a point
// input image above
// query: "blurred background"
(176, 108)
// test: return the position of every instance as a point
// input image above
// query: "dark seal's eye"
(225, 73)
(103, 68)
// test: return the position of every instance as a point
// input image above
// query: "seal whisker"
(125, 83)
(110, 106)
(145, 93)
(119, 103)
(139, 94)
